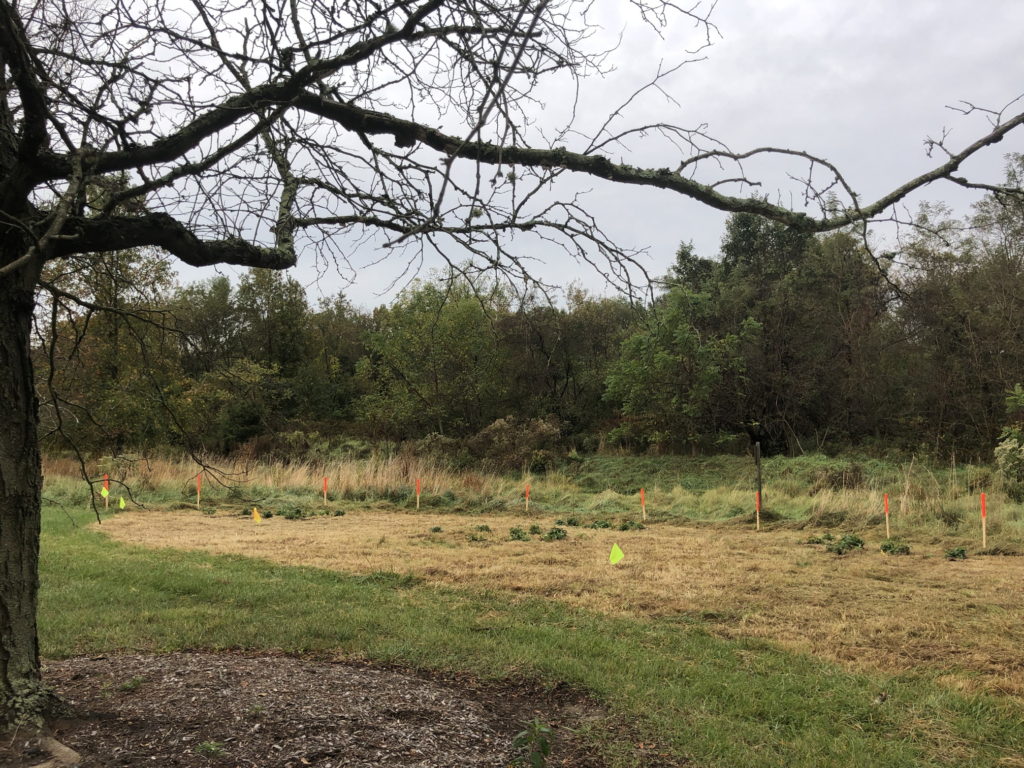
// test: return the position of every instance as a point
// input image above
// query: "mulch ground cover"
(247, 711)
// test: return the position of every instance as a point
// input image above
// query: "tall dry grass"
(383, 476)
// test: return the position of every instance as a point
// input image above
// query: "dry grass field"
(960, 620)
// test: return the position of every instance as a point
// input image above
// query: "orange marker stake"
(199, 487)
(757, 511)
(886, 498)
(643, 506)
(419, 487)
(106, 487)
(325, 491)
(984, 523)
(527, 497)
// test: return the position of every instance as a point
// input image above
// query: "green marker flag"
(616, 554)
(104, 492)
(120, 504)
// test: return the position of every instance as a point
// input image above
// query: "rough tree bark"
(21, 694)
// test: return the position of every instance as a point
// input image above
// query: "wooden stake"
(757, 510)
(984, 523)
(106, 496)
(199, 487)
(643, 506)
(886, 498)
(325, 491)
(418, 488)
(527, 497)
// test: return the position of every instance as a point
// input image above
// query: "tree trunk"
(22, 695)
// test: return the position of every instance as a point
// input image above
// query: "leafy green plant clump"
(518, 534)
(555, 534)
(631, 525)
(846, 543)
(534, 744)
(956, 553)
(535, 530)
(895, 547)
(600, 524)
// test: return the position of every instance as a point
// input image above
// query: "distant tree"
(272, 315)
(675, 379)
(434, 363)
(206, 315)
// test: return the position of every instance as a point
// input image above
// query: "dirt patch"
(865, 609)
(211, 710)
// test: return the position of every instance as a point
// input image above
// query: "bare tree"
(249, 133)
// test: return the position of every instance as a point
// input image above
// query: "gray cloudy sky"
(858, 82)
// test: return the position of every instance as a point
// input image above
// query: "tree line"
(796, 340)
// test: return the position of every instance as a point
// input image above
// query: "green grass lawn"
(716, 702)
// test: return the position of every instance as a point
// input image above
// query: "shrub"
(555, 534)
(535, 530)
(956, 553)
(600, 524)
(895, 547)
(437, 529)
(846, 543)
(631, 525)
(518, 534)
(514, 444)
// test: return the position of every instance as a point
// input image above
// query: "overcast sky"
(861, 83)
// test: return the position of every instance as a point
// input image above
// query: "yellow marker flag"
(120, 504)
(616, 554)
(104, 492)
(256, 516)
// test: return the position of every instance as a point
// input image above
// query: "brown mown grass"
(921, 612)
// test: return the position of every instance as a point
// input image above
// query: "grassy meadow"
(716, 644)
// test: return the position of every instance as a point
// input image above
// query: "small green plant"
(437, 529)
(484, 528)
(895, 547)
(518, 534)
(535, 530)
(292, 513)
(573, 521)
(476, 537)
(600, 524)
(555, 534)
(956, 553)
(534, 742)
(631, 525)
(132, 685)
(254, 711)
(210, 748)
(847, 543)
(338, 513)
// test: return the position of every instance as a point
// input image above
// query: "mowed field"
(958, 621)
